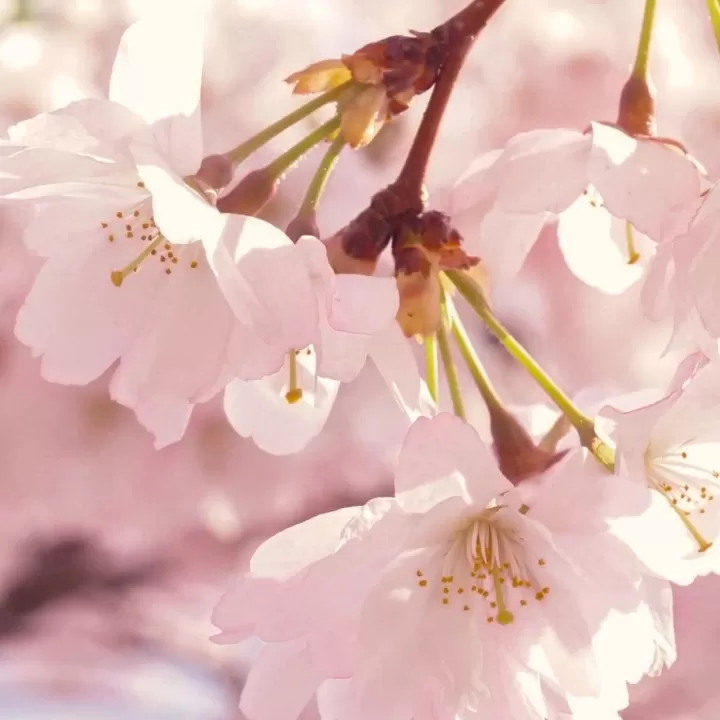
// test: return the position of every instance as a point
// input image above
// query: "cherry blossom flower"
(141, 267)
(460, 596)
(681, 284)
(611, 195)
(353, 318)
(667, 450)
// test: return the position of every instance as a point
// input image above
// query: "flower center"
(485, 568)
(138, 226)
(687, 483)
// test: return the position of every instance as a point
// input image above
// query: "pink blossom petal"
(502, 240)
(282, 557)
(66, 226)
(703, 272)
(543, 170)
(165, 417)
(341, 355)
(362, 304)
(444, 457)
(179, 352)
(638, 178)
(93, 126)
(595, 247)
(475, 191)
(157, 74)
(291, 664)
(76, 319)
(392, 355)
(40, 173)
(286, 595)
(656, 295)
(634, 429)
(265, 281)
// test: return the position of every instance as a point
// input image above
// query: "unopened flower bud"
(387, 75)
(251, 194)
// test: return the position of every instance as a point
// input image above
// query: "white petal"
(181, 213)
(258, 409)
(157, 74)
(595, 247)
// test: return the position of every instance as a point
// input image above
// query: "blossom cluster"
(511, 576)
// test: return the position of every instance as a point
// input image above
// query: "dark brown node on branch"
(423, 246)
(439, 239)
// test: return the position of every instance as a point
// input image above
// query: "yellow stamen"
(118, 276)
(633, 254)
(504, 616)
(294, 393)
(703, 544)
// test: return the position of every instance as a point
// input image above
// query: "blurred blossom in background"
(112, 553)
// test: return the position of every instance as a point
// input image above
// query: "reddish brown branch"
(458, 35)
(369, 233)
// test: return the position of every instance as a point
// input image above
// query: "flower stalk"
(583, 424)
(278, 167)
(642, 58)
(320, 179)
(247, 148)
(431, 366)
(451, 374)
(714, 12)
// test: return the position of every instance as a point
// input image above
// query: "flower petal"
(394, 359)
(157, 74)
(289, 663)
(596, 247)
(179, 353)
(543, 170)
(258, 409)
(444, 457)
(640, 180)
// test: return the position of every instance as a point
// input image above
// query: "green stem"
(714, 11)
(319, 181)
(450, 370)
(247, 148)
(23, 11)
(640, 70)
(584, 425)
(431, 365)
(482, 381)
(278, 167)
